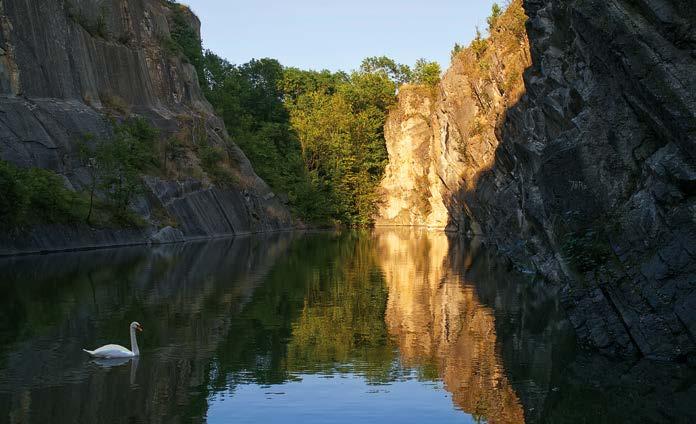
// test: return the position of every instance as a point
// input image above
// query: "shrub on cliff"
(495, 64)
(492, 20)
(184, 39)
(426, 73)
(212, 159)
(115, 167)
(39, 196)
(34, 195)
(456, 49)
(13, 198)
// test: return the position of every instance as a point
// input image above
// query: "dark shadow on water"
(555, 380)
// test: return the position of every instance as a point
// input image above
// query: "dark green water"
(390, 326)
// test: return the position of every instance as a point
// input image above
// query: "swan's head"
(136, 325)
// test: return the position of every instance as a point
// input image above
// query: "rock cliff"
(69, 67)
(583, 173)
(441, 139)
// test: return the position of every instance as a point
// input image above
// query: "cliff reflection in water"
(405, 312)
(439, 322)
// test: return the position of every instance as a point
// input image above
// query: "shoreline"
(84, 247)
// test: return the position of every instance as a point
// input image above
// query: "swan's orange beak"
(139, 328)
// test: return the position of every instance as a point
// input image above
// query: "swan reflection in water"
(108, 363)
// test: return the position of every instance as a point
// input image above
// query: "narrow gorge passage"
(348, 212)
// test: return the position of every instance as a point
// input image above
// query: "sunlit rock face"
(439, 323)
(440, 139)
(411, 188)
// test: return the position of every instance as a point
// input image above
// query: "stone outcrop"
(587, 176)
(66, 66)
(439, 140)
(412, 190)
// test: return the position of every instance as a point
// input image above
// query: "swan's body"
(117, 351)
(111, 351)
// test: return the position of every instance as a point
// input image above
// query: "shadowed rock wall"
(589, 176)
(66, 65)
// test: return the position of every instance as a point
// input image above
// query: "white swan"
(117, 351)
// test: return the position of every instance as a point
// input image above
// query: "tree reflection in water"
(389, 305)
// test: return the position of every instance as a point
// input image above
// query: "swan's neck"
(134, 343)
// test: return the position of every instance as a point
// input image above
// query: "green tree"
(14, 198)
(34, 195)
(297, 82)
(89, 162)
(397, 72)
(492, 20)
(479, 45)
(343, 142)
(366, 89)
(116, 164)
(186, 39)
(426, 73)
(252, 99)
(455, 50)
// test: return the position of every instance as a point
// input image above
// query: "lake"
(383, 326)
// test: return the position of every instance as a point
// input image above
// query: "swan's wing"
(111, 351)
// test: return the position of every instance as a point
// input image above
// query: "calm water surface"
(390, 326)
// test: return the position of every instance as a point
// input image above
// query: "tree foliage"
(455, 50)
(426, 73)
(121, 160)
(251, 98)
(479, 45)
(115, 166)
(397, 72)
(341, 134)
(343, 149)
(34, 195)
(315, 135)
(185, 39)
(496, 12)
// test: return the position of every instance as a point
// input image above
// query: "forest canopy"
(315, 136)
